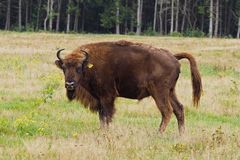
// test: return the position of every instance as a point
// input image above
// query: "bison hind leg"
(160, 94)
(178, 111)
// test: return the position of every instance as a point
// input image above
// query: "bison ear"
(59, 64)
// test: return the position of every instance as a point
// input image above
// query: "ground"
(38, 122)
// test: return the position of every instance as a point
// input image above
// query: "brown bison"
(95, 74)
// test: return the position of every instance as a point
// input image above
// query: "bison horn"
(58, 54)
(86, 56)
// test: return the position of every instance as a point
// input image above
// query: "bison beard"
(130, 70)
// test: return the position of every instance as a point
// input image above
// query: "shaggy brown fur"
(130, 70)
(196, 78)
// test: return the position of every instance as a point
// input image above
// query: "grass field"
(37, 121)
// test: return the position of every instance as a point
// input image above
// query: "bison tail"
(196, 78)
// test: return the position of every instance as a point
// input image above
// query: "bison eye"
(79, 69)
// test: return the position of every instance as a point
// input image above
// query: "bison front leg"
(103, 117)
(106, 111)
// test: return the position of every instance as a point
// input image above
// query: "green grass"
(38, 122)
(210, 70)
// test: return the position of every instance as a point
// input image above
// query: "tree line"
(213, 18)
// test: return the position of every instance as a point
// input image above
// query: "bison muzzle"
(97, 73)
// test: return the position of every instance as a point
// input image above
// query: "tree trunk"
(139, 17)
(141, 9)
(220, 18)
(30, 12)
(192, 17)
(83, 18)
(172, 16)
(155, 15)
(47, 16)
(77, 11)
(7, 24)
(20, 15)
(211, 19)
(68, 22)
(126, 20)
(125, 27)
(166, 21)
(238, 32)
(225, 17)
(26, 14)
(132, 18)
(58, 15)
(132, 24)
(184, 15)
(160, 18)
(202, 22)
(38, 13)
(68, 17)
(176, 21)
(229, 17)
(216, 19)
(117, 18)
(189, 15)
(51, 15)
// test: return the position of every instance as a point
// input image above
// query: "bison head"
(73, 67)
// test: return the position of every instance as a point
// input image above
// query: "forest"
(212, 18)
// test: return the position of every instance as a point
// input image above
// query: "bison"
(97, 73)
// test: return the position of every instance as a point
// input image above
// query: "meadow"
(38, 122)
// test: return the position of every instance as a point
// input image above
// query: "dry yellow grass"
(37, 121)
